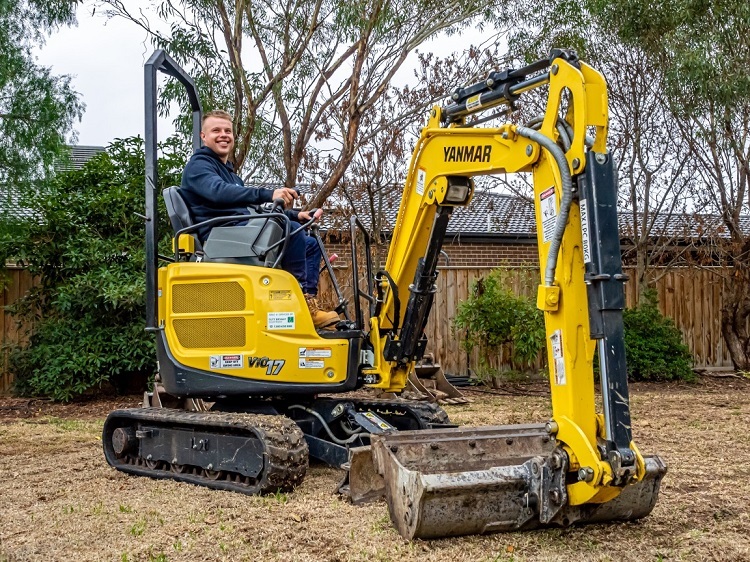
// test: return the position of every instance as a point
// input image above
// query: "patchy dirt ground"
(60, 501)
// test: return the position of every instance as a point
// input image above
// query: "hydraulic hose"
(567, 197)
(325, 425)
(564, 130)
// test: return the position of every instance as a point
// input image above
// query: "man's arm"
(287, 195)
(205, 182)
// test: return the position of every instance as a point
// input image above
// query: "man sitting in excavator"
(211, 189)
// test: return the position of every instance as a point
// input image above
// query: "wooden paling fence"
(692, 297)
(19, 281)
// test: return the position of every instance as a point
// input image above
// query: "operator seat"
(246, 245)
(179, 214)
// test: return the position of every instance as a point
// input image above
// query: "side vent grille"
(192, 298)
(200, 333)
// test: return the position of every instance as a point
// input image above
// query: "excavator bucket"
(462, 481)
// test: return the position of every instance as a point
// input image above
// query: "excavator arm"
(447, 155)
(581, 294)
(439, 179)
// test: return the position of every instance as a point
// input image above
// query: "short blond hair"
(220, 113)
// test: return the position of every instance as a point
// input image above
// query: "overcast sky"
(105, 59)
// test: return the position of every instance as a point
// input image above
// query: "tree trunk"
(734, 319)
(641, 268)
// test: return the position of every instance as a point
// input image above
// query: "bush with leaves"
(654, 348)
(494, 320)
(84, 319)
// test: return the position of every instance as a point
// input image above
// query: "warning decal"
(557, 357)
(225, 362)
(305, 363)
(548, 208)
(376, 420)
(474, 102)
(421, 178)
(281, 320)
(311, 352)
(585, 232)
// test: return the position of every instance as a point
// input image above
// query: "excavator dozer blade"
(455, 396)
(429, 379)
(463, 481)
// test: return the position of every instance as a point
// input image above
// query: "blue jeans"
(302, 260)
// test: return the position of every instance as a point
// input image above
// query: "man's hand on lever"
(286, 194)
(306, 216)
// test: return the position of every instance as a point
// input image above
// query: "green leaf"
(85, 320)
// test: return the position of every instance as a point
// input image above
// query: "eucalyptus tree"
(37, 108)
(374, 180)
(701, 50)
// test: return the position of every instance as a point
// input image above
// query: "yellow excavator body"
(245, 322)
(242, 366)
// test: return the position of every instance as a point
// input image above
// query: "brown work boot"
(321, 318)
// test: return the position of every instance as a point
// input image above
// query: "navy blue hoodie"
(211, 189)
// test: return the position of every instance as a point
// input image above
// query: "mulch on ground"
(61, 501)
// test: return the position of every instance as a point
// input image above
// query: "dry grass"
(60, 500)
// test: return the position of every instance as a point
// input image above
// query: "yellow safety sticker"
(377, 421)
(279, 295)
(474, 102)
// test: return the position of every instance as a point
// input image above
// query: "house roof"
(493, 215)
(10, 195)
(489, 213)
(9, 204)
(682, 226)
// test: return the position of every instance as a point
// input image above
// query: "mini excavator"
(247, 390)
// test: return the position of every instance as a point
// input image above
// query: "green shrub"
(494, 320)
(654, 348)
(84, 320)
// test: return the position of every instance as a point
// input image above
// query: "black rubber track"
(284, 448)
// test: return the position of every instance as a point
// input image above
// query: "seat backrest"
(179, 214)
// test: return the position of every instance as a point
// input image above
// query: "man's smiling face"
(218, 135)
